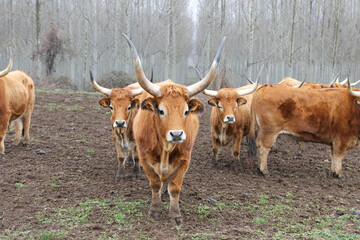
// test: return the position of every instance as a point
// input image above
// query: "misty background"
(59, 41)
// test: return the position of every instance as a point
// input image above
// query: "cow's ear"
(148, 104)
(105, 102)
(213, 102)
(241, 101)
(135, 103)
(196, 106)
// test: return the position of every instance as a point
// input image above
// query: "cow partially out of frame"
(17, 97)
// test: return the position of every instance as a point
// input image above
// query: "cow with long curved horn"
(123, 104)
(165, 129)
(230, 119)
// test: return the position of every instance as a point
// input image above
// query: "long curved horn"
(136, 92)
(105, 91)
(343, 82)
(299, 86)
(336, 80)
(150, 87)
(210, 76)
(7, 70)
(249, 90)
(249, 80)
(198, 73)
(351, 92)
(210, 93)
(254, 86)
(355, 83)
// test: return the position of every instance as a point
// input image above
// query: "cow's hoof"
(119, 176)
(176, 221)
(16, 142)
(155, 213)
(213, 164)
(264, 172)
(337, 175)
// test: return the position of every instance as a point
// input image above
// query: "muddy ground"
(62, 186)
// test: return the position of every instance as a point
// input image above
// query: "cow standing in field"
(230, 119)
(123, 105)
(330, 116)
(17, 97)
(165, 129)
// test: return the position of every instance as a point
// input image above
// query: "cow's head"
(7, 70)
(353, 93)
(171, 103)
(120, 101)
(227, 100)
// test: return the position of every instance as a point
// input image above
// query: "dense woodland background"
(59, 41)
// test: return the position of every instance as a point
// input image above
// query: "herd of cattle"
(156, 124)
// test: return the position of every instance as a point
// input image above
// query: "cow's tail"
(252, 133)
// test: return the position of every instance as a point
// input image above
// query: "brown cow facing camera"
(165, 129)
(17, 98)
(230, 119)
(123, 105)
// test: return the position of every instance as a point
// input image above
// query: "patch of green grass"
(20, 185)
(259, 220)
(90, 152)
(52, 235)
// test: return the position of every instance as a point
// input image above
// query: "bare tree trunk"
(292, 35)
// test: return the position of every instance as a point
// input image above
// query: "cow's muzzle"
(229, 119)
(120, 124)
(176, 136)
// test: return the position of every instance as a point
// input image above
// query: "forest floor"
(62, 185)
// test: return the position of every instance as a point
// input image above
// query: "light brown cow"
(165, 129)
(230, 119)
(17, 97)
(330, 116)
(123, 105)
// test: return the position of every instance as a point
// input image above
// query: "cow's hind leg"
(338, 152)
(18, 130)
(264, 143)
(4, 121)
(26, 122)
(174, 188)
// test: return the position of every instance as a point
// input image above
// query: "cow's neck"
(123, 138)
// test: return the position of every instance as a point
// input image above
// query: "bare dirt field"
(62, 186)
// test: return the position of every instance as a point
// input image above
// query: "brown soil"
(79, 164)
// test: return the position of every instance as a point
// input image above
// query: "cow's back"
(19, 91)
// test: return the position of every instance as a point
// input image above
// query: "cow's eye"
(220, 107)
(161, 112)
(186, 112)
(111, 108)
(129, 107)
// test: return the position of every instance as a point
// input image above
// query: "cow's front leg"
(216, 150)
(156, 186)
(174, 189)
(236, 152)
(136, 161)
(337, 156)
